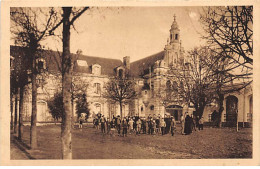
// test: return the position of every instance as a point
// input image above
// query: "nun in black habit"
(188, 125)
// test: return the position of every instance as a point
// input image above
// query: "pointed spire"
(174, 16)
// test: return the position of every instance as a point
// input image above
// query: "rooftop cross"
(174, 17)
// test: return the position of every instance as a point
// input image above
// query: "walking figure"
(124, 126)
(173, 126)
(81, 120)
(201, 121)
(163, 126)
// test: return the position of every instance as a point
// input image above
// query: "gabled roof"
(53, 61)
(107, 65)
(141, 67)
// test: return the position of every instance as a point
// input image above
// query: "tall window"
(97, 87)
(121, 73)
(168, 89)
(98, 108)
(175, 86)
(176, 36)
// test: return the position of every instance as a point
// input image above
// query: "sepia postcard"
(129, 83)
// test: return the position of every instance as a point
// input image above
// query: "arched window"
(181, 85)
(142, 109)
(176, 36)
(96, 69)
(168, 85)
(174, 86)
(231, 109)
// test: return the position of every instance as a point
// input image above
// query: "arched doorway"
(231, 110)
(175, 111)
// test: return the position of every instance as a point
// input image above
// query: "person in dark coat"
(124, 126)
(108, 126)
(193, 122)
(173, 126)
(188, 125)
(118, 123)
(144, 126)
(103, 123)
(201, 121)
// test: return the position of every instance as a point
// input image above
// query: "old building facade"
(151, 77)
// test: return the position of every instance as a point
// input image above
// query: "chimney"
(126, 62)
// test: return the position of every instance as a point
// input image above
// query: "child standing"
(81, 120)
(201, 121)
(131, 125)
(163, 125)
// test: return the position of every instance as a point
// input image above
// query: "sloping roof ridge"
(95, 57)
(153, 55)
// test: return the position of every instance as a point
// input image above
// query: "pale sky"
(137, 32)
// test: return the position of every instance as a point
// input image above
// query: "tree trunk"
(66, 87)
(220, 110)
(20, 129)
(12, 113)
(72, 113)
(15, 110)
(200, 110)
(121, 112)
(33, 132)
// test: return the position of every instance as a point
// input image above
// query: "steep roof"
(107, 65)
(53, 61)
(141, 66)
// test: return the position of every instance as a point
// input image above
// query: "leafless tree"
(69, 16)
(29, 26)
(191, 81)
(229, 32)
(120, 90)
(231, 29)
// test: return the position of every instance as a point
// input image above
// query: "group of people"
(155, 125)
(190, 123)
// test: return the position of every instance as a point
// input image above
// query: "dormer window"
(40, 64)
(82, 63)
(120, 72)
(96, 69)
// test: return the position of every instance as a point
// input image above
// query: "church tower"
(174, 32)
(173, 49)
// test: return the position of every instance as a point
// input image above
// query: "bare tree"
(69, 16)
(18, 80)
(192, 80)
(231, 29)
(28, 30)
(229, 32)
(120, 90)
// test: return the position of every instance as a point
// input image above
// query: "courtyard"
(90, 143)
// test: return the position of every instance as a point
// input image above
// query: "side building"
(89, 74)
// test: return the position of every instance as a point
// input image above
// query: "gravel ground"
(89, 143)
